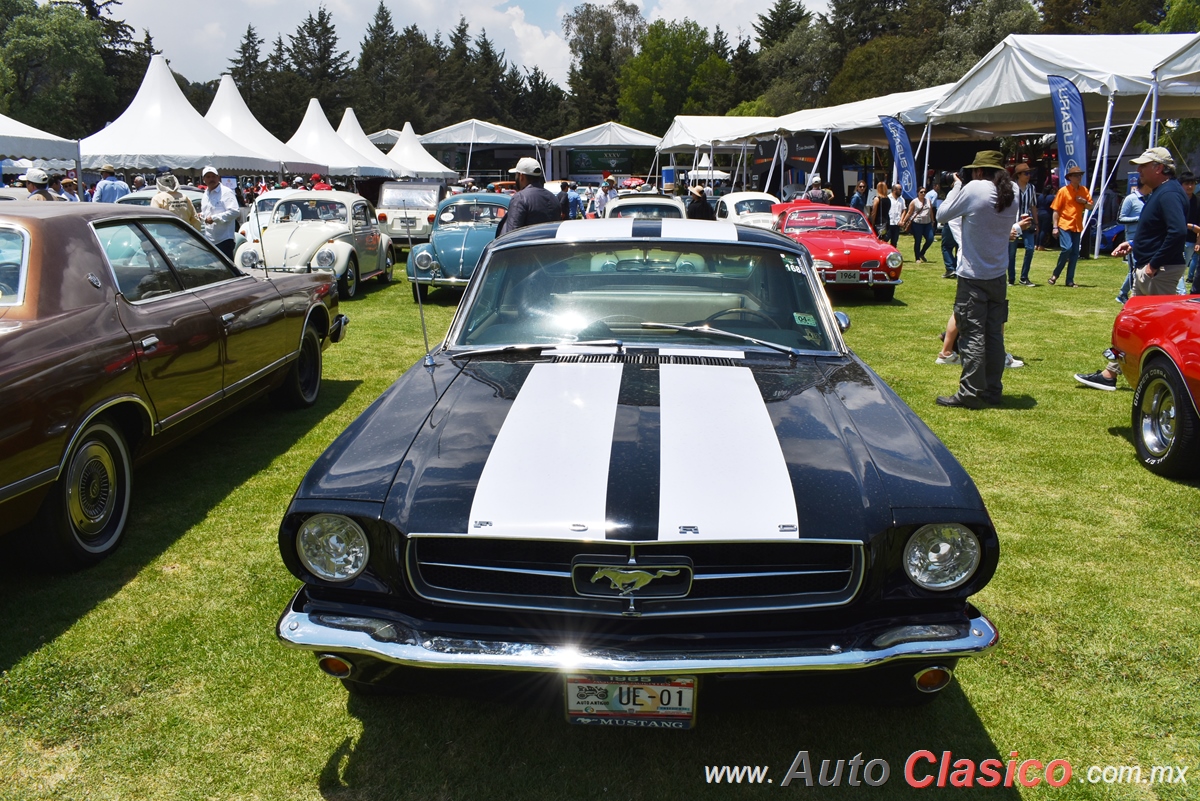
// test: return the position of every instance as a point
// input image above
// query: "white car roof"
(734, 197)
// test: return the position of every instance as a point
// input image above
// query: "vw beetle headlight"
(894, 260)
(325, 258)
(821, 264)
(249, 258)
(423, 260)
(941, 556)
(332, 547)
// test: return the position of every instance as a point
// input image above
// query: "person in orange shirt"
(1068, 207)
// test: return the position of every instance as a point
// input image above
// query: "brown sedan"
(121, 332)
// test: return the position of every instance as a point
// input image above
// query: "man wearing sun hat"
(1068, 208)
(533, 203)
(111, 188)
(697, 207)
(1158, 255)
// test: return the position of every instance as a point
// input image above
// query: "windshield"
(571, 292)
(471, 211)
(309, 211)
(825, 219)
(756, 206)
(647, 211)
(413, 197)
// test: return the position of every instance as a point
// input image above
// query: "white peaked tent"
(688, 134)
(607, 134)
(416, 160)
(478, 132)
(385, 138)
(316, 140)
(230, 115)
(161, 129)
(21, 141)
(352, 134)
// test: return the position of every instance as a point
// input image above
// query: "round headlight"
(332, 547)
(894, 260)
(821, 264)
(941, 556)
(325, 258)
(423, 260)
(249, 258)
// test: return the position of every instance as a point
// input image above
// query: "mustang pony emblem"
(626, 581)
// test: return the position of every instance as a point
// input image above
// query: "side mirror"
(843, 321)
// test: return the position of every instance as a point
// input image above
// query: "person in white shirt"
(218, 211)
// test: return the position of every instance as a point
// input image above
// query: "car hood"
(457, 248)
(824, 244)
(293, 244)
(719, 450)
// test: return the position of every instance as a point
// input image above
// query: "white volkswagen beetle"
(747, 208)
(336, 232)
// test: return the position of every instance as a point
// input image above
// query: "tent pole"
(771, 172)
(1124, 146)
(829, 165)
(470, 147)
(817, 158)
(1101, 155)
(928, 136)
(1154, 113)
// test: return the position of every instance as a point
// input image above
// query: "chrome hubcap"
(91, 495)
(1158, 418)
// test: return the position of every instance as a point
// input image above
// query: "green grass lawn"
(157, 675)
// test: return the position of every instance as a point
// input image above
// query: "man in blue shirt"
(110, 189)
(1158, 249)
(574, 202)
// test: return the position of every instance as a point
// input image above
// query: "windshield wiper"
(706, 329)
(538, 348)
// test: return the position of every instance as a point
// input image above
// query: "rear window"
(14, 254)
(647, 211)
(396, 196)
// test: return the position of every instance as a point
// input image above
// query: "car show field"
(158, 674)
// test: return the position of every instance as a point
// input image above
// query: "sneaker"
(1122, 299)
(950, 274)
(1012, 361)
(1097, 380)
(1027, 282)
(953, 358)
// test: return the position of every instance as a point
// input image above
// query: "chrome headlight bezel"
(894, 260)
(249, 258)
(333, 547)
(942, 556)
(325, 258)
(822, 264)
(423, 260)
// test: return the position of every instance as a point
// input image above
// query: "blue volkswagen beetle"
(462, 227)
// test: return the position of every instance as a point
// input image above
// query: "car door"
(176, 337)
(248, 310)
(366, 237)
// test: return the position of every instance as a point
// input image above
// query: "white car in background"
(406, 209)
(644, 206)
(747, 208)
(260, 212)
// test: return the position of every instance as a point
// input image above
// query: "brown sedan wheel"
(303, 382)
(86, 510)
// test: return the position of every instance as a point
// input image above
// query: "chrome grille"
(728, 576)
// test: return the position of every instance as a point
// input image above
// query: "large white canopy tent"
(21, 141)
(604, 135)
(473, 133)
(692, 134)
(230, 115)
(416, 160)
(316, 140)
(162, 129)
(352, 134)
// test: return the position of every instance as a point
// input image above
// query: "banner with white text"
(902, 155)
(1069, 124)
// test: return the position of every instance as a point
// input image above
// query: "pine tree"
(319, 65)
(247, 66)
(377, 79)
(782, 18)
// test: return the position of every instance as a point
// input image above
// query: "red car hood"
(823, 244)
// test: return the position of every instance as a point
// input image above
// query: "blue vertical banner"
(902, 155)
(1069, 124)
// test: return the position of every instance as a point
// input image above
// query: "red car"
(845, 250)
(1157, 343)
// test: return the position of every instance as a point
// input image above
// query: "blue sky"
(199, 38)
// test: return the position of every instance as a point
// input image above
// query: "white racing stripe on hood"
(547, 474)
(723, 471)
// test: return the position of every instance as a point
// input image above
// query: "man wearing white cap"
(533, 203)
(39, 180)
(218, 211)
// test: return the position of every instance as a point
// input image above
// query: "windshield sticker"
(804, 319)
(814, 337)
(792, 264)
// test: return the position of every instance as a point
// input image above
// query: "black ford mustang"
(642, 455)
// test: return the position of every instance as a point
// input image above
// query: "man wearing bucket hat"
(985, 206)
(533, 203)
(1068, 207)
(1158, 247)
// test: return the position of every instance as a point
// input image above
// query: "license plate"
(652, 702)
(847, 277)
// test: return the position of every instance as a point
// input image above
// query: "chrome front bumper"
(391, 641)
(441, 280)
(337, 329)
(869, 282)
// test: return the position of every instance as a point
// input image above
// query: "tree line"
(71, 66)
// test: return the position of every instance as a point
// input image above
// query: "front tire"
(348, 283)
(302, 385)
(1166, 432)
(420, 292)
(86, 510)
(385, 277)
(884, 294)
